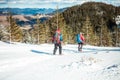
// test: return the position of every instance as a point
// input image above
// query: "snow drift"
(36, 62)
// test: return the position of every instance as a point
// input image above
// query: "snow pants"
(80, 45)
(56, 45)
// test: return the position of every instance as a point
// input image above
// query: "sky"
(49, 3)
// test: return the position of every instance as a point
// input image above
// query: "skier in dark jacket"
(80, 40)
(57, 39)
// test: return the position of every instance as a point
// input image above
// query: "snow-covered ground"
(36, 62)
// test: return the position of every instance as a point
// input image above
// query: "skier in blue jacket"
(80, 40)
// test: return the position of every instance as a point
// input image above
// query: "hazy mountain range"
(28, 11)
(27, 15)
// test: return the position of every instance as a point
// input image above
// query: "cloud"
(45, 1)
(59, 1)
(50, 3)
(116, 2)
(2, 1)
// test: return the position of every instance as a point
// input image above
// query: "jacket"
(58, 39)
(80, 38)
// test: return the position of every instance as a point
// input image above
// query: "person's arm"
(52, 39)
(82, 38)
(61, 38)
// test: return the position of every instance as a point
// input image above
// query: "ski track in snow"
(36, 62)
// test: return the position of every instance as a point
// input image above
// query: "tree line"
(95, 20)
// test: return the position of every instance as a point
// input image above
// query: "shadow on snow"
(94, 49)
(40, 52)
(87, 50)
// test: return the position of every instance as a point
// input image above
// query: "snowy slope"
(36, 62)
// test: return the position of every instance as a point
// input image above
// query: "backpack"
(57, 38)
(78, 38)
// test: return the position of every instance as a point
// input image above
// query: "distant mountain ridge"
(28, 11)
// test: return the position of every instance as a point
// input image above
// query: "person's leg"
(60, 49)
(55, 49)
(78, 46)
(81, 45)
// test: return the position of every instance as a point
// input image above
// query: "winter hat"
(81, 33)
(58, 30)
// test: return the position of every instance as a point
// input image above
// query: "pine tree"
(62, 26)
(36, 32)
(42, 34)
(15, 31)
(47, 33)
(26, 36)
(1, 34)
(96, 39)
(105, 36)
(117, 36)
(71, 36)
(106, 40)
(87, 29)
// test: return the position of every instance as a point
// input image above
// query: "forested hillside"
(95, 20)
